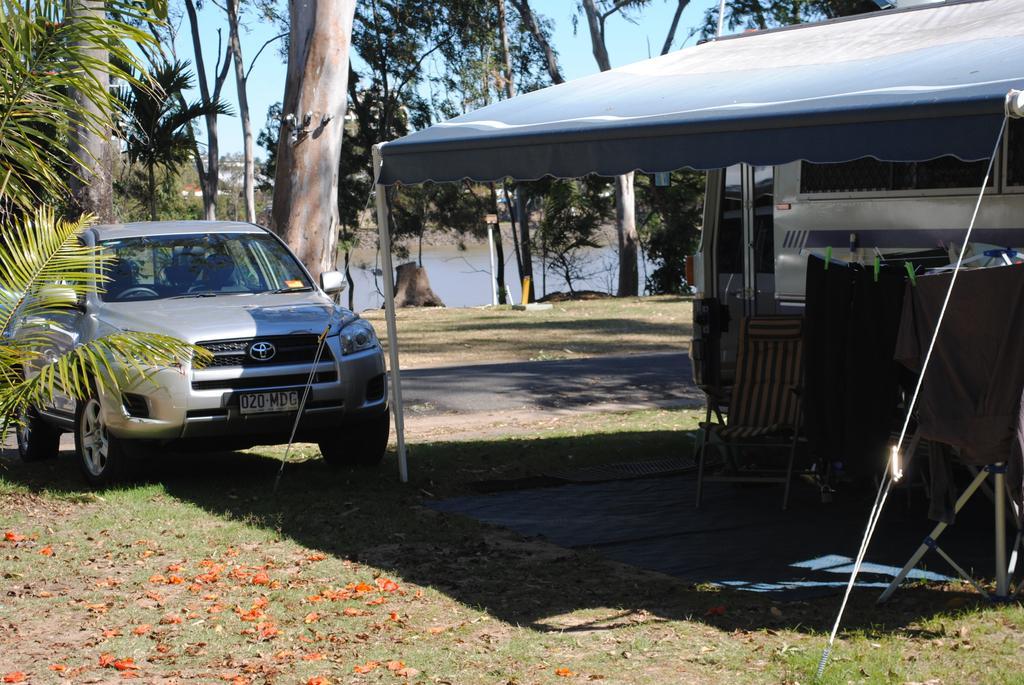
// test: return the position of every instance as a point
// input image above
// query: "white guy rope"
(320, 344)
(887, 481)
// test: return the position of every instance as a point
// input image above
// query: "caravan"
(762, 222)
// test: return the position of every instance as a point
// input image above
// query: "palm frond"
(45, 268)
(45, 61)
(112, 362)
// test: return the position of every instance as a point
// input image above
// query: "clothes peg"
(828, 256)
(910, 273)
(878, 266)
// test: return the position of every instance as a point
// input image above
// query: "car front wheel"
(362, 444)
(37, 440)
(102, 456)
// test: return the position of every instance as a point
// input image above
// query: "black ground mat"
(739, 537)
(635, 469)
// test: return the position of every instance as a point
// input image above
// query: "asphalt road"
(649, 380)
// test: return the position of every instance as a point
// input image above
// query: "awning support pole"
(389, 314)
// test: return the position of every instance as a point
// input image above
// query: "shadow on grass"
(369, 517)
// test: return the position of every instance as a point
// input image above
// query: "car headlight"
(357, 336)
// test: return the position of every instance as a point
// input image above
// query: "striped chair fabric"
(768, 367)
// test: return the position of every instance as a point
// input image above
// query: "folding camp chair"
(765, 407)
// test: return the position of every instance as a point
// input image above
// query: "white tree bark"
(625, 205)
(305, 211)
(249, 164)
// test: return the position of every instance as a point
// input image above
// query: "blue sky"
(627, 42)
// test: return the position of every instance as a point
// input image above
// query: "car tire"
(37, 440)
(361, 445)
(103, 457)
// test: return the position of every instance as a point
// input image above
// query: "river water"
(461, 277)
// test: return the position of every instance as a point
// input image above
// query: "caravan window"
(730, 223)
(869, 175)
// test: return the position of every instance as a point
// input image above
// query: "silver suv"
(236, 290)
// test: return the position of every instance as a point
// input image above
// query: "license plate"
(268, 402)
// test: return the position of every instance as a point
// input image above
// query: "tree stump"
(412, 287)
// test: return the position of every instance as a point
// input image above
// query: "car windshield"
(199, 265)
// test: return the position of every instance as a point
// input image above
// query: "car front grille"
(289, 349)
(294, 380)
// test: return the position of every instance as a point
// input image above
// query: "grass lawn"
(204, 574)
(444, 337)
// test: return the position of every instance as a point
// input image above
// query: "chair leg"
(702, 448)
(789, 471)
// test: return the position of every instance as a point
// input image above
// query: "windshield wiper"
(202, 293)
(303, 289)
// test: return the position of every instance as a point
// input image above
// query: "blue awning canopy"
(899, 85)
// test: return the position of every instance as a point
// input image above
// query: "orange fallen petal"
(174, 568)
(393, 616)
(377, 601)
(436, 630)
(11, 536)
(127, 664)
(141, 629)
(407, 672)
(168, 619)
(107, 659)
(367, 667)
(157, 579)
(352, 611)
(312, 656)
(311, 617)
(387, 585)
(112, 632)
(253, 614)
(563, 672)
(14, 676)
(175, 580)
(395, 665)
(47, 551)
(261, 578)
(316, 556)
(318, 680)
(59, 668)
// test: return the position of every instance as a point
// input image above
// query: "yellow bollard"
(526, 290)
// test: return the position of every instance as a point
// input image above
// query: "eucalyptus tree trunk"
(625, 204)
(519, 225)
(305, 211)
(241, 79)
(92, 188)
(209, 175)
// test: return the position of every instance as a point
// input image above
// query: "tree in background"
(573, 212)
(155, 122)
(670, 219)
(208, 167)
(305, 205)
(175, 188)
(597, 13)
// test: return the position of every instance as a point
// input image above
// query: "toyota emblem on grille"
(262, 351)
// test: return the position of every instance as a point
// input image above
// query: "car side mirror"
(63, 296)
(332, 282)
